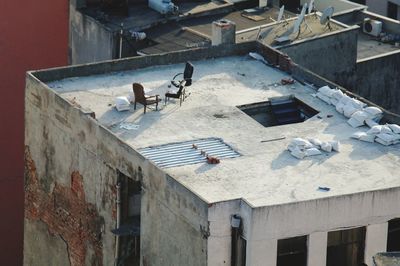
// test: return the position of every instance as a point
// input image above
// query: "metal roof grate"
(183, 153)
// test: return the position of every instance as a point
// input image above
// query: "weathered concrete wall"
(72, 165)
(380, 6)
(378, 79)
(174, 223)
(145, 61)
(332, 56)
(268, 224)
(89, 41)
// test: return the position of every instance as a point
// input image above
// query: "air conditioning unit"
(372, 27)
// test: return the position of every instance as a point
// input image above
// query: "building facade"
(100, 196)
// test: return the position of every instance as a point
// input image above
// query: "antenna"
(326, 17)
(310, 7)
(296, 28)
(280, 16)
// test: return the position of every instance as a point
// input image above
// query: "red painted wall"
(33, 35)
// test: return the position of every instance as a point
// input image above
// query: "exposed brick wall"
(66, 213)
(276, 58)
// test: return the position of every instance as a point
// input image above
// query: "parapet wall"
(378, 79)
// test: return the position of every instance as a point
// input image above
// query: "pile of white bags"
(122, 103)
(388, 134)
(301, 148)
(357, 112)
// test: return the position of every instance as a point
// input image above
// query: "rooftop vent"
(279, 111)
(184, 153)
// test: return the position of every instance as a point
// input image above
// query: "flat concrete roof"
(266, 173)
(142, 17)
(311, 27)
(369, 46)
(196, 32)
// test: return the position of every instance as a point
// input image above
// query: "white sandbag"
(357, 104)
(326, 146)
(122, 103)
(312, 152)
(335, 145)
(371, 123)
(337, 94)
(368, 138)
(298, 154)
(301, 142)
(340, 107)
(381, 141)
(316, 142)
(373, 111)
(358, 134)
(386, 129)
(387, 137)
(292, 147)
(349, 110)
(334, 101)
(324, 97)
(375, 130)
(395, 128)
(354, 122)
(361, 116)
(325, 90)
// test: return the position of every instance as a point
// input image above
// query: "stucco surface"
(265, 174)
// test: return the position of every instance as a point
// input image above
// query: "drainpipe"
(235, 224)
(118, 186)
(120, 40)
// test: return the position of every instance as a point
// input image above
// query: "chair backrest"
(188, 73)
(138, 90)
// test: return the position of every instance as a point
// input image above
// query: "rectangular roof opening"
(279, 111)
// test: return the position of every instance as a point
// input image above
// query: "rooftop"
(369, 46)
(311, 27)
(196, 32)
(265, 173)
(140, 16)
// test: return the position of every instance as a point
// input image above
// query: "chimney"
(223, 32)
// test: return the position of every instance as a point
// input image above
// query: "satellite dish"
(326, 15)
(310, 7)
(300, 19)
(280, 16)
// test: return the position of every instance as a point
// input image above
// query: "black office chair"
(181, 84)
(187, 76)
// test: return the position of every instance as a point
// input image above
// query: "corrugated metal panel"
(183, 153)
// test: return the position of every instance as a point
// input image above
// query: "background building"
(390, 9)
(33, 36)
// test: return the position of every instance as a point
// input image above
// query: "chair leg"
(134, 106)
(144, 108)
(156, 106)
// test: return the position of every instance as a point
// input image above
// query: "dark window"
(291, 5)
(392, 10)
(129, 230)
(292, 251)
(241, 252)
(362, 2)
(393, 241)
(279, 111)
(346, 247)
